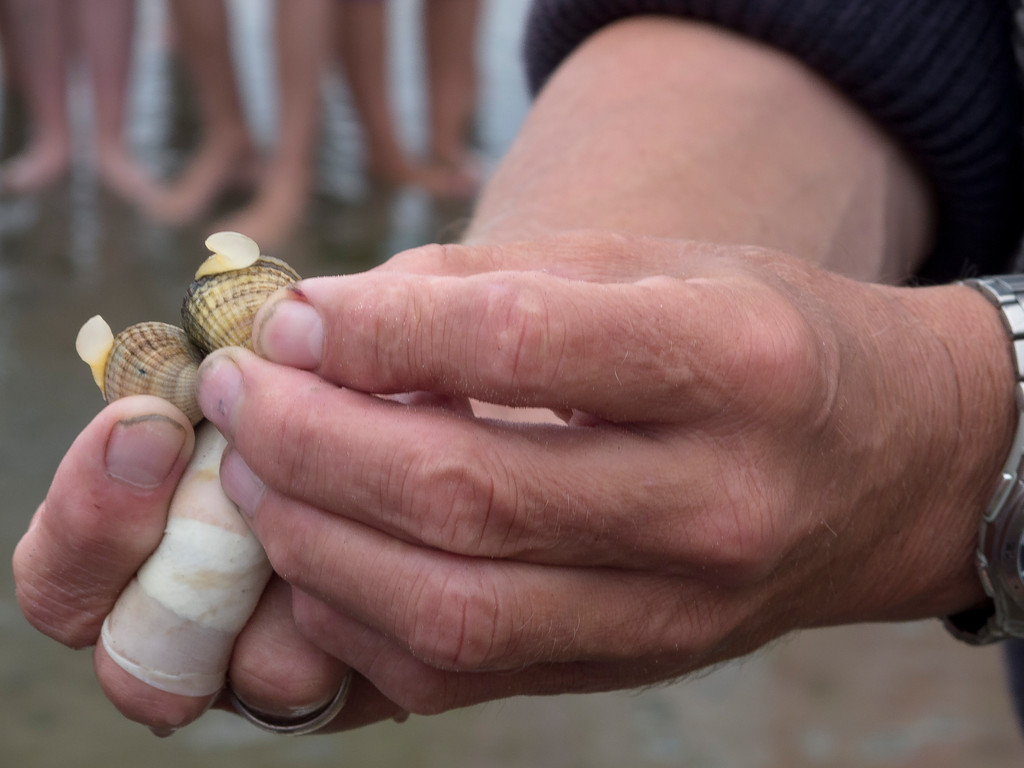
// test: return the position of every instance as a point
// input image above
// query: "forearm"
(704, 135)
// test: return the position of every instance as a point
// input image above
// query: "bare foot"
(122, 175)
(443, 180)
(454, 180)
(39, 166)
(219, 165)
(272, 216)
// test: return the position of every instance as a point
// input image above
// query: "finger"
(103, 515)
(539, 493)
(278, 671)
(274, 669)
(365, 705)
(584, 255)
(162, 711)
(475, 614)
(655, 349)
(422, 689)
(446, 402)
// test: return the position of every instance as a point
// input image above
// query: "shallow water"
(865, 696)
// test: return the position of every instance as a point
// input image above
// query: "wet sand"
(899, 695)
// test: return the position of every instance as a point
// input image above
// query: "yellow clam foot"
(93, 344)
(231, 250)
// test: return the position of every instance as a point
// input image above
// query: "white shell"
(175, 624)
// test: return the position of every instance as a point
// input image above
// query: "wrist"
(959, 387)
(1001, 532)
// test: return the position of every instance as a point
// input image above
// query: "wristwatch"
(1000, 557)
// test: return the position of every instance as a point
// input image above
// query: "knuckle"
(285, 447)
(737, 562)
(51, 618)
(372, 347)
(779, 362)
(524, 336)
(462, 502)
(787, 348)
(764, 358)
(455, 624)
(61, 595)
(741, 542)
(664, 624)
(50, 607)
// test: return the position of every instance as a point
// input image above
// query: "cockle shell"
(154, 359)
(174, 626)
(219, 308)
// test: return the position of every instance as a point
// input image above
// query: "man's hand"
(752, 446)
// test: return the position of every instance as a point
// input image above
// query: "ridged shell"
(219, 309)
(154, 359)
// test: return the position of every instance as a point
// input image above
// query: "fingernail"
(163, 733)
(142, 451)
(220, 386)
(240, 483)
(290, 332)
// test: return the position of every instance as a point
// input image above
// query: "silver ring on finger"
(301, 726)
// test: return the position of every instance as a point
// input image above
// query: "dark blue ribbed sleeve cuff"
(939, 75)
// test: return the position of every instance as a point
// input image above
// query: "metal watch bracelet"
(1000, 557)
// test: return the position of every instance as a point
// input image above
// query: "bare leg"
(105, 28)
(10, 75)
(38, 39)
(450, 30)
(12, 132)
(301, 47)
(362, 38)
(226, 154)
(363, 51)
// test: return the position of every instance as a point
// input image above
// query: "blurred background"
(93, 223)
